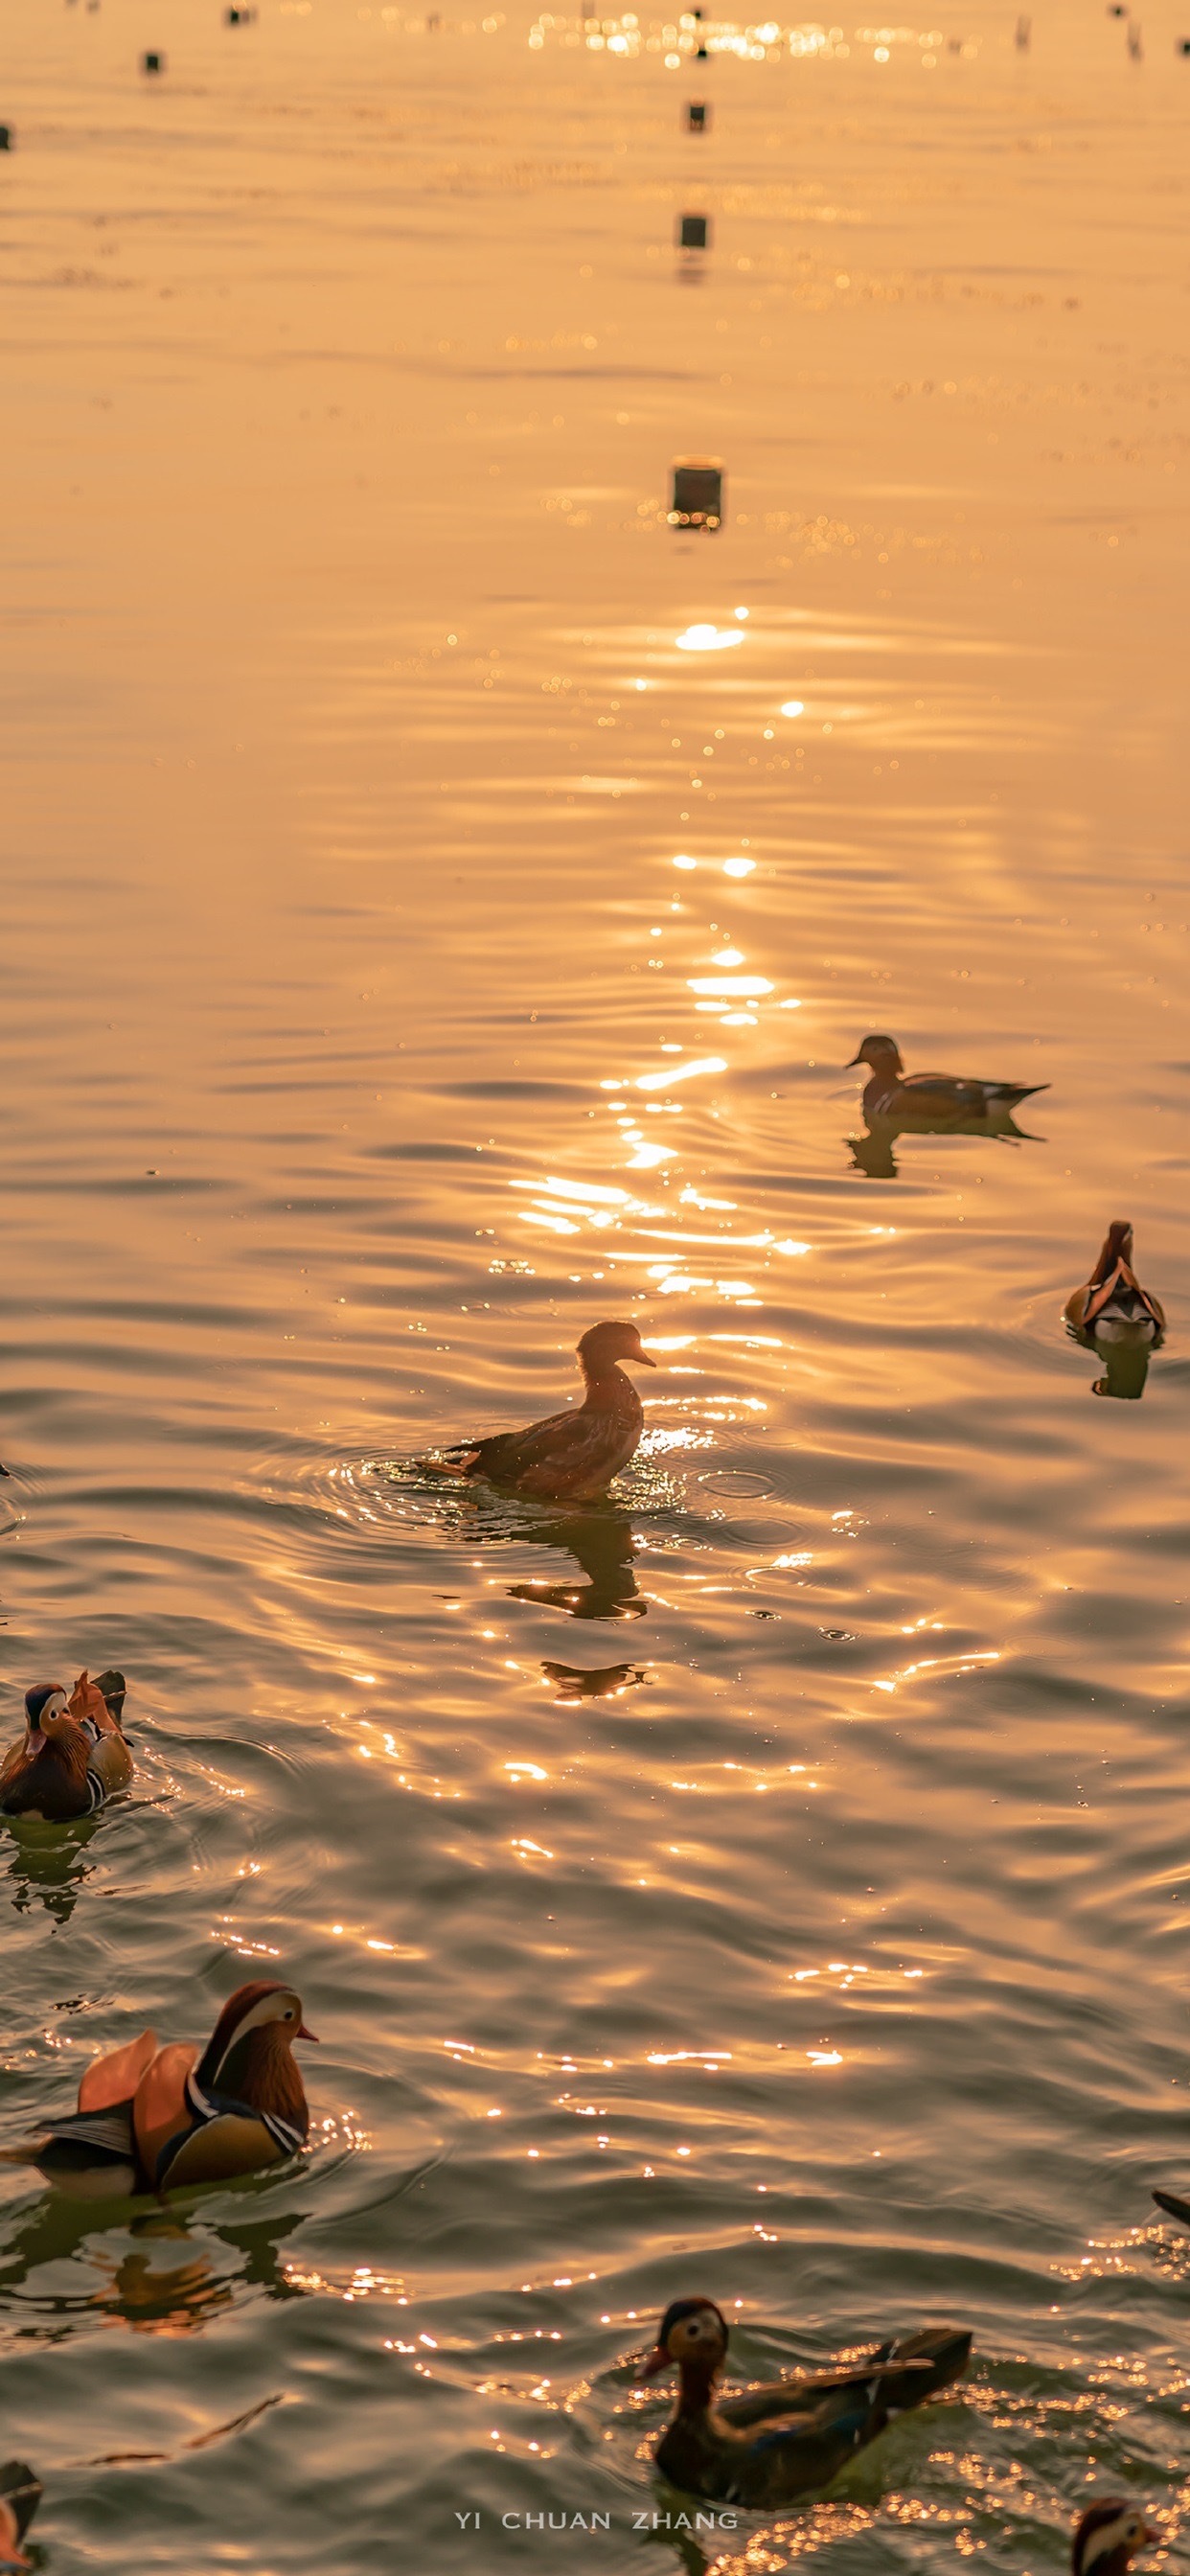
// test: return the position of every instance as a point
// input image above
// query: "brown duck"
(933, 1101)
(154, 2119)
(776, 2443)
(571, 1456)
(1113, 1307)
(73, 1755)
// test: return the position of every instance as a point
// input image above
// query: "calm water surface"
(774, 1881)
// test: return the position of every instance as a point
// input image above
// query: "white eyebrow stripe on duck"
(1101, 2543)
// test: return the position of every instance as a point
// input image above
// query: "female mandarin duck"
(1113, 1307)
(776, 2443)
(149, 2118)
(932, 1100)
(1108, 2537)
(20, 2495)
(74, 1754)
(571, 1456)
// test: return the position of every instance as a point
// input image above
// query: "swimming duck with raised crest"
(153, 2118)
(20, 2495)
(74, 1754)
(934, 1102)
(774, 2443)
(1108, 2536)
(1113, 1308)
(571, 1456)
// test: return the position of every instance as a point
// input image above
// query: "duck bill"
(855, 1059)
(303, 2033)
(652, 2366)
(643, 1360)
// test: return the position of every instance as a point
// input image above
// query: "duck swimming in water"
(571, 1456)
(1108, 2536)
(934, 1102)
(152, 2118)
(1113, 1308)
(775, 2443)
(20, 2495)
(73, 1755)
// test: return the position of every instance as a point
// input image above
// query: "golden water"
(773, 1882)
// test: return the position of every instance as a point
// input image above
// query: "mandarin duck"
(151, 2118)
(74, 1754)
(571, 1456)
(1107, 2538)
(934, 1102)
(20, 2495)
(778, 2442)
(1113, 1309)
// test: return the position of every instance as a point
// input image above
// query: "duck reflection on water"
(603, 1547)
(602, 1681)
(598, 1536)
(49, 1863)
(173, 2276)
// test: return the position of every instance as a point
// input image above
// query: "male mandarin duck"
(1113, 1307)
(571, 1456)
(1108, 2537)
(932, 1101)
(74, 1754)
(775, 2443)
(20, 2495)
(150, 2117)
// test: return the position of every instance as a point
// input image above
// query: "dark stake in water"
(443, 898)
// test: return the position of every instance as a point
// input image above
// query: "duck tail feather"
(1175, 2208)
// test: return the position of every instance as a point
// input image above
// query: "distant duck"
(772, 2444)
(933, 1100)
(1108, 2537)
(156, 2119)
(20, 2495)
(571, 1456)
(1113, 1307)
(73, 1755)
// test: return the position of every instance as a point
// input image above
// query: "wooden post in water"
(697, 497)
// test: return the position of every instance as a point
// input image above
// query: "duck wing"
(507, 1454)
(1121, 1298)
(84, 2145)
(953, 1096)
(778, 2396)
(111, 2082)
(803, 2448)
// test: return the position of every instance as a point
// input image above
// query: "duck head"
(1117, 1246)
(605, 1344)
(883, 1054)
(45, 1706)
(258, 2024)
(692, 2339)
(1108, 2537)
(54, 1742)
